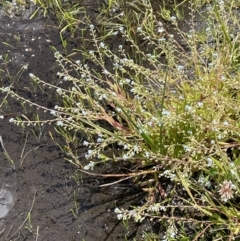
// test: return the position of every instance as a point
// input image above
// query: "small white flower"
(6, 89)
(222, 78)
(188, 108)
(88, 155)
(85, 143)
(89, 166)
(125, 157)
(59, 123)
(225, 123)
(90, 152)
(173, 18)
(125, 147)
(136, 148)
(31, 75)
(99, 139)
(150, 123)
(214, 122)
(165, 112)
(65, 78)
(221, 2)
(180, 68)
(162, 39)
(104, 96)
(208, 29)
(56, 54)
(200, 104)
(189, 133)
(226, 191)
(212, 142)
(186, 148)
(163, 208)
(53, 112)
(209, 162)
(25, 66)
(210, 64)
(208, 184)
(102, 45)
(117, 210)
(91, 26)
(139, 29)
(1, 116)
(115, 33)
(56, 107)
(59, 90)
(78, 61)
(75, 110)
(201, 180)
(11, 120)
(119, 216)
(154, 208)
(160, 30)
(106, 72)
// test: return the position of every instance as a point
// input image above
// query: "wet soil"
(51, 200)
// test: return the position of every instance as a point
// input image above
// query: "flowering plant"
(168, 107)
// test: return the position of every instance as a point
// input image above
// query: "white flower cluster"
(204, 181)
(171, 233)
(90, 166)
(227, 190)
(89, 153)
(156, 207)
(127, 214)
(100, 138)
(169, 174)
(132, 151)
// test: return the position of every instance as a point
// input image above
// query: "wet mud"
(41, 196)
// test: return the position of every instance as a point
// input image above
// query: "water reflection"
(7, 190)
(6, 202)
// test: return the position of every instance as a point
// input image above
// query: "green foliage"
(71, 15)
(167, 105)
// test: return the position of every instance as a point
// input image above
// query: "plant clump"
(165, 104)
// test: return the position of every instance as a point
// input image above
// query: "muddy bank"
(43, 197)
